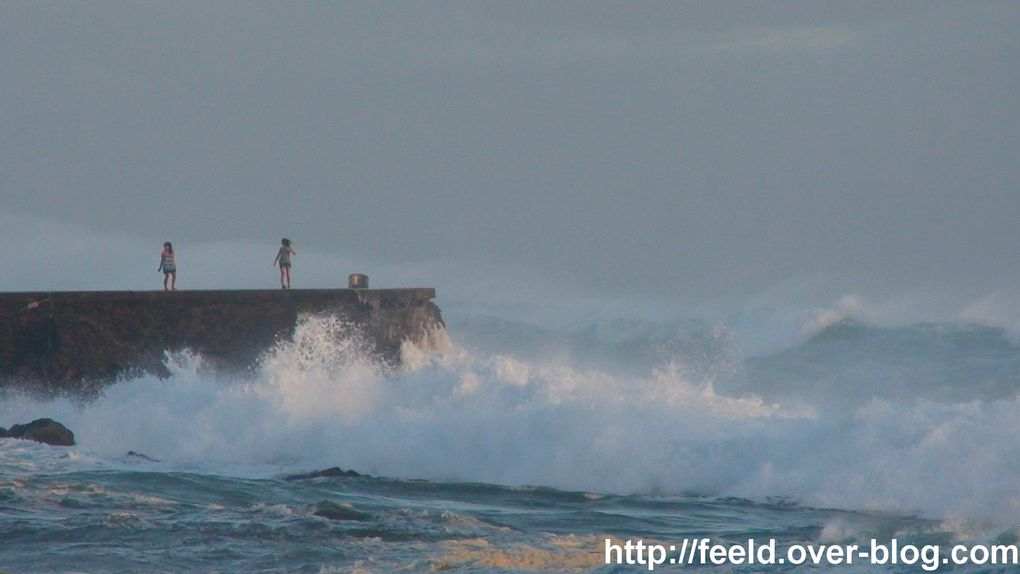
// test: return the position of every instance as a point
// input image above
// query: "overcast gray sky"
(679, 150)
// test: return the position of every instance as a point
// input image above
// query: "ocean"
(525, 442)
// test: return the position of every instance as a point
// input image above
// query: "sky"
(673, 151)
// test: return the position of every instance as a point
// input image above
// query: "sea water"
(521, 445)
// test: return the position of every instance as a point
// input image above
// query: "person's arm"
(160, 268)
(276, 259)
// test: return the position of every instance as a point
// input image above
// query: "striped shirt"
(169, 263)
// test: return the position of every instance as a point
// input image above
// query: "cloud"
(655, 148)
(802, 39)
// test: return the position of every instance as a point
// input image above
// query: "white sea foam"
(459, 415)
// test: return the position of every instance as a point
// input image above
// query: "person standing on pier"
(283, 257)
(168, 265)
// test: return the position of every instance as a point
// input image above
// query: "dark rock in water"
(141, 456)
(3, 432)
(334, 511)
(47, 431)
(329, 472)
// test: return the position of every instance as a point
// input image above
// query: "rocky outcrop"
(331, 472)
(80, 341)
(47, 431)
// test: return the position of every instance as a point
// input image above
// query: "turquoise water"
(157, 519)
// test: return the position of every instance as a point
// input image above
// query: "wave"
(850, 363)
(694, 419)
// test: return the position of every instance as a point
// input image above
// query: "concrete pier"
(80, 341)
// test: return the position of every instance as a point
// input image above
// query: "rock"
(140, 456)
(47, 431)
(334, 511)
(80, 342)
(329, 472)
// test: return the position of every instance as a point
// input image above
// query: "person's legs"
(283, 277)
(166, 277)
(173, 280)
(288, 277)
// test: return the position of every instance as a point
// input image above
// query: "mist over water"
(915, 420)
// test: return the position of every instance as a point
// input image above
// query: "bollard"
(357, 281)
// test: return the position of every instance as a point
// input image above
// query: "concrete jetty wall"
(80, 341)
